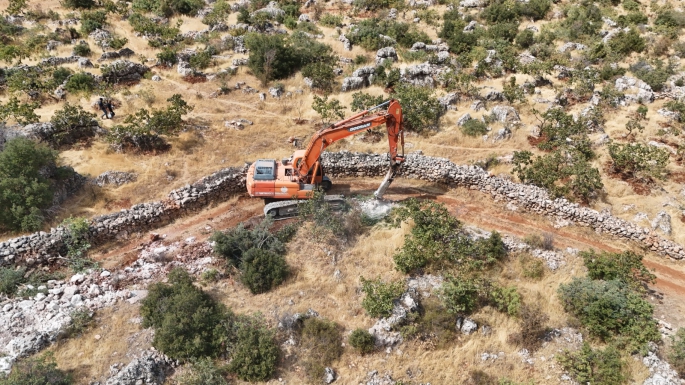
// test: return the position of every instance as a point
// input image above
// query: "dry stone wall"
(45, 247)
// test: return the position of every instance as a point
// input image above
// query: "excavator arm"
(361, 122)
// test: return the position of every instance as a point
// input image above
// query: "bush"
(82, 49)
(656, 76)
(71, 122)
(421, 110)
(22, 112)
(76, 242)
(436, 241)
(525, 38)
(639, 160)
(328, 109)
(151, 28)
(594, 366)
(81, 82)
(10, 279)
(234, 243)
(92, 20)
(255, 352)
(362, 341)
(563, 173)
(611, 311)
(322, 76)
(625, 43)
(203, 372)
(506, 300)
(262, 270)
(460, 295)
(544, 242)
(81, 320)
(460, 42)
(36, 371)
(368, 34)
(626, 267)
(536, 9)
(331, 20)
(220, 12)
(188, 322)
(362, 101)
(201, 59)
(321, 343)
(24, 192)
(380, 295)
(142, 130)
(167, 57)
(532, 328)
(474, 127)
(78, 4)
(676, 354)
(167, 8)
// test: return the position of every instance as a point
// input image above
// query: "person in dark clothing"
(111, 109)
(103, 107)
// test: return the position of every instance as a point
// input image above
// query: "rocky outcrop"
(386, 54)
(123, 71)
(150, 368)
(639, 91)
(124, 52)
(115, 178)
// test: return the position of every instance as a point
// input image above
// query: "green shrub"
(82, 49)
(380, 295)
(167, 8)
(76, 240)
(167, 57)
(328, 109)
(219, 14)
(321, 344)
(563, 173)
(203, 372)
(262, 270)
(626, 267)
(436, 241)
(362, 341)
(639, 160)
(536, 9)
(656, 76)
(498, 12)
(81, 82)
(367, 34)
(61, 74)
(21, 112)
(626, 43)
(202, 59)
(460, 295)
(421, 110)
(10, 279)
(188, 322)
(36, 371)
(525, 38)
(151, 28)
(532, 328)
(78, 4)
(676, 353)
(142, 131)
(452, 31)
(331, 20)
(611, 311)
(92, 20)
(321, 74)
(255, 353)
(24, 192)
(116, 42)
(474, 127)
(362, 101)
(234, 243)
(506, 300)
(71, 122)
(595, 366)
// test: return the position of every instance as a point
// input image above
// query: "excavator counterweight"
(284, 183)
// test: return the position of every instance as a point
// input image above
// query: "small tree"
(36, 371)
(676, 355)
(328, 110)
(639, 160)
(77, 242)
(421, 110)
(594, 366)
(321, 344)
(71, 122)
(460, 295)
(10, 279)
(21, 112)
(262, 270)
(14, 7)
(626, 267)
(321, 74)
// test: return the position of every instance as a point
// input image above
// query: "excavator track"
(288, 209)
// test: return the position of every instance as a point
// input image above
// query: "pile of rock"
(123, 71)
(361, 77)
(124, 52)
(116, 178)
(386, 54)
(151, 368)
(640, 91)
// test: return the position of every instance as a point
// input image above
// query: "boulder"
(122, 71)
(505, 114)
(387, 53)
(464, 118)
(662, 221)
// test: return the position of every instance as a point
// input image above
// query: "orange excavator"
(282, 184)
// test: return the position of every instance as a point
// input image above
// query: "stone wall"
(44, 247)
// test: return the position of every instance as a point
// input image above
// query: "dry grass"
(121, 339)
